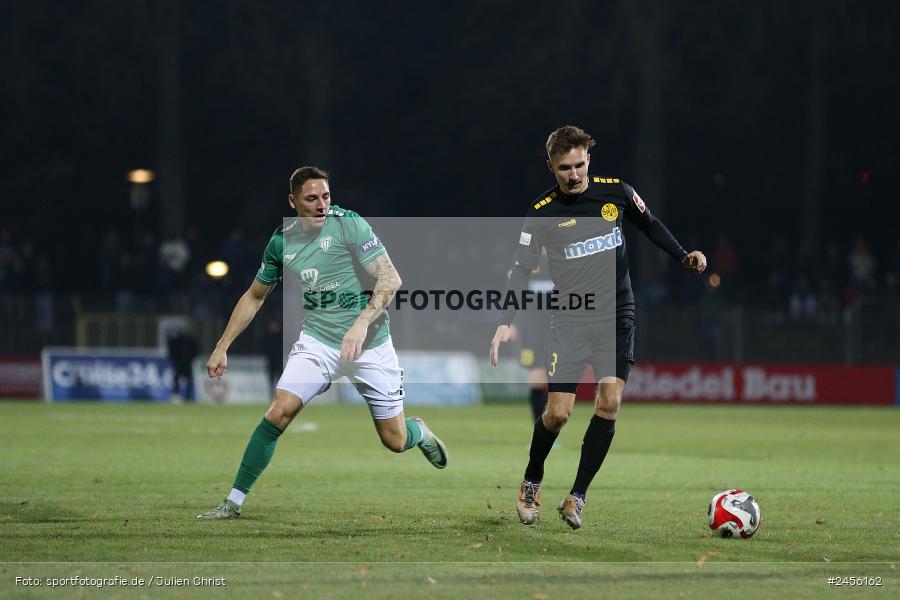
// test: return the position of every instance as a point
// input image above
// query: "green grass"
(120, 485)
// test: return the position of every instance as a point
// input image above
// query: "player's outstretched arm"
(695, 261)
(386, 285)
(244, 311)
(637, 212)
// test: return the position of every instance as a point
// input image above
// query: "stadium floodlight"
(141, 176)
(217, 269)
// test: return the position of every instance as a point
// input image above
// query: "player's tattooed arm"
(386, 285)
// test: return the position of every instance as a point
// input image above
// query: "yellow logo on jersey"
(526, 357)
(609, 212)
(569, 223)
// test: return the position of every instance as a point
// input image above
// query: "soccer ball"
(732, 513)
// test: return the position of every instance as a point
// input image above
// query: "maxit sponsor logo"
(595, 245)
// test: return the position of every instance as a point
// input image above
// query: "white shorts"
(376, 374)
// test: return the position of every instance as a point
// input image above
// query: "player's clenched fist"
(217, 363)
(695, 261)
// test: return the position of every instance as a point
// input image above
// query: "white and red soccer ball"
(733, 513)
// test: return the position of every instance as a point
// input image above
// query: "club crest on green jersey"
(309, 276)
(325, 243)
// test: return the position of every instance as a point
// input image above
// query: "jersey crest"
(609, 212)
(309, 277)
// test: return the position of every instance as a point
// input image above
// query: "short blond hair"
(567, 137)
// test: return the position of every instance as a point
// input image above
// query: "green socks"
(413, 434)
(261, 447)
(258, 454)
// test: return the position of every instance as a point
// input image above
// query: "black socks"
(541, 443)
(538, 399)
(596, 443)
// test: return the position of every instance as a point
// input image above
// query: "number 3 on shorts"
(552, 371)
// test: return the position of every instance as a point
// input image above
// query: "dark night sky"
(443, 110)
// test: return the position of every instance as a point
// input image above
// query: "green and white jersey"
(326, 263)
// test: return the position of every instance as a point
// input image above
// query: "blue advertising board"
(107, 374)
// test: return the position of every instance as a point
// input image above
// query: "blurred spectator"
(802, 303)
(182, 347)
(831, 270)
(174, 256)
(44, 302)
(862, 267)
(174, 253)
(806, 261)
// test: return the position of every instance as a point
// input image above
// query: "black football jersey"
(585, 244)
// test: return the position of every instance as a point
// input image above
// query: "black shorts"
(608, 346)
(533, 327)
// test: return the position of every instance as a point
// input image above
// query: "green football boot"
(431, 445)
(226, 510)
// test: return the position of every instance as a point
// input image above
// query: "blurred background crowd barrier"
(833, 316)
(147, 149)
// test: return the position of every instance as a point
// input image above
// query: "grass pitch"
(103, 490)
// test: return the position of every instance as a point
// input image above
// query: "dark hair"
(304, 174)
(565, 138)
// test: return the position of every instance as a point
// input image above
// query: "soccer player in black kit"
(579, 223)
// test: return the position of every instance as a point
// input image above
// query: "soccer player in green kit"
(345, 331)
